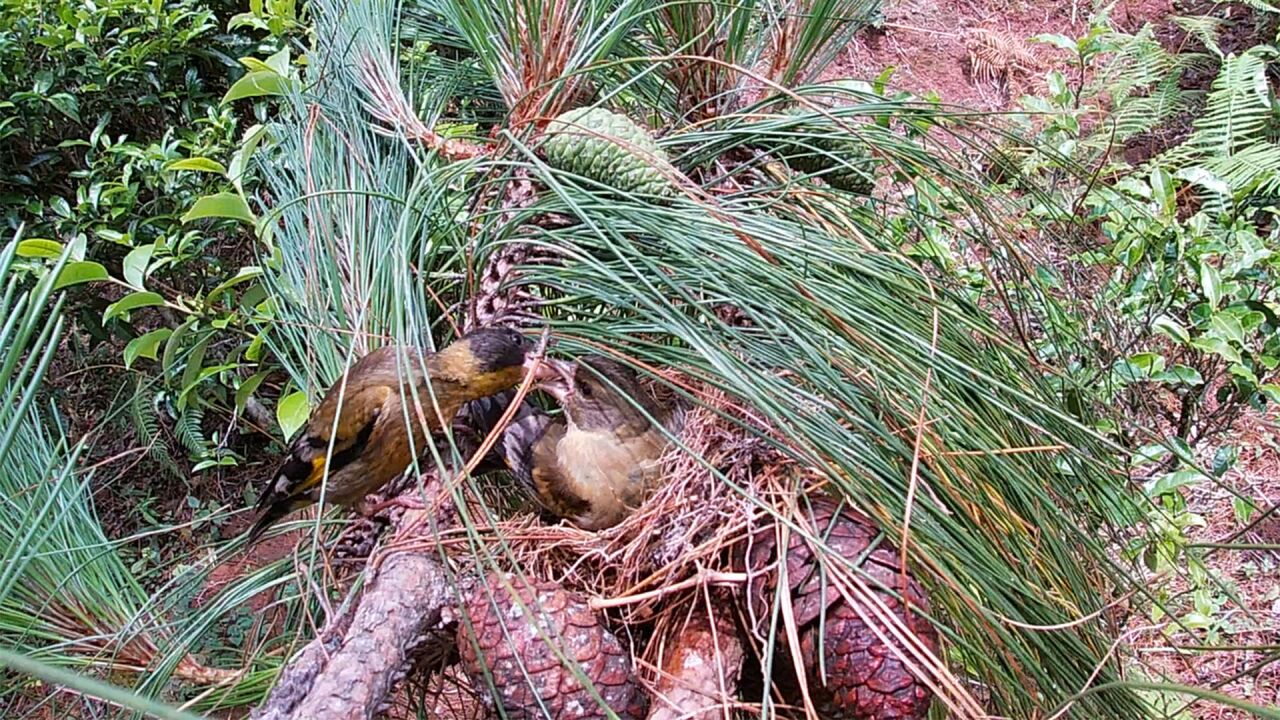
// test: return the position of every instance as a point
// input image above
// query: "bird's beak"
(544, 368)
(555, 377)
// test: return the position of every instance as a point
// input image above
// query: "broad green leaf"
(258, 83)
(248, 388)
(135, 265)
(1243, 372)
(115, 236)
(1196, 621)
(1205, 179)
(1217, 346)
(195, 364)
(1163, 190)
(1211, 284)
(249, 272)
(84, 271)
(1058, 85)
(174, 344)
(256, 65)
(1148, 454)
(253, 353)
(291, 413)
(1057, 40)
(132, 301)
(220, 205)
(1169, 482)
(224, 461)
(1251, 321)
(1227, 327)
(1272, 392)
(1182, 449)
(1126, 372)
(39, 247)
(67, 104)
(240, 159)
(1181, 375)
(79, 245)
(882, 80)
(199, 164)
(145, 346)
(240, 20)
(1224, 458)
(1172, 328)
(204, 374)
(1243, 510)
(60, 206)
(279, 61)
(1148, 362)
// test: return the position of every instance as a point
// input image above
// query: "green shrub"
(1166, 310)
(73, 73)
(112, 127)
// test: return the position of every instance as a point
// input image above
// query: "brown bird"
(598, 462)
(372, 424)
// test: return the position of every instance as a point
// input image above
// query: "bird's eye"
(584, 389)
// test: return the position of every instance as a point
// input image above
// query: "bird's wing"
(529, 441)
(476, 420)
(295, 484)
(532, 452)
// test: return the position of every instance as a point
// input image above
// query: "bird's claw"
(376, 507)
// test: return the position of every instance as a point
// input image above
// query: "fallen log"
(349, 671)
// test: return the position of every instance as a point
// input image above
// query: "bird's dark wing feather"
(525, 443)
(303, 470)
(478, 418)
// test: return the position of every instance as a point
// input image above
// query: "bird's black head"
(497, 349)
(484, 362)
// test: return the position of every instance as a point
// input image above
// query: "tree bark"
(348, 673)
(298, 676)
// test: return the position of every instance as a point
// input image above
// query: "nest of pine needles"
(691, 553)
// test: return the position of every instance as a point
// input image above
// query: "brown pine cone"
(864, 678)
(524, 667)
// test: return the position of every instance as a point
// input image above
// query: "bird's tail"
(266, 518)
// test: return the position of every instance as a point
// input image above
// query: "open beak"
(554, 377)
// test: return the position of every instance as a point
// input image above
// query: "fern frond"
(1138, 115)
(1253, 169)
(190, 431)
(1261, 5)
(147, 429)
(1139, 61)
(1237, 113)
(1203, 28)
(993, 54)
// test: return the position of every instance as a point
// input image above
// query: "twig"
(710, 577)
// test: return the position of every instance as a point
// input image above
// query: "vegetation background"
(159, 344)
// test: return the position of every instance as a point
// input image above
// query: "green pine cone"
(844, 162)
(608, 148)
